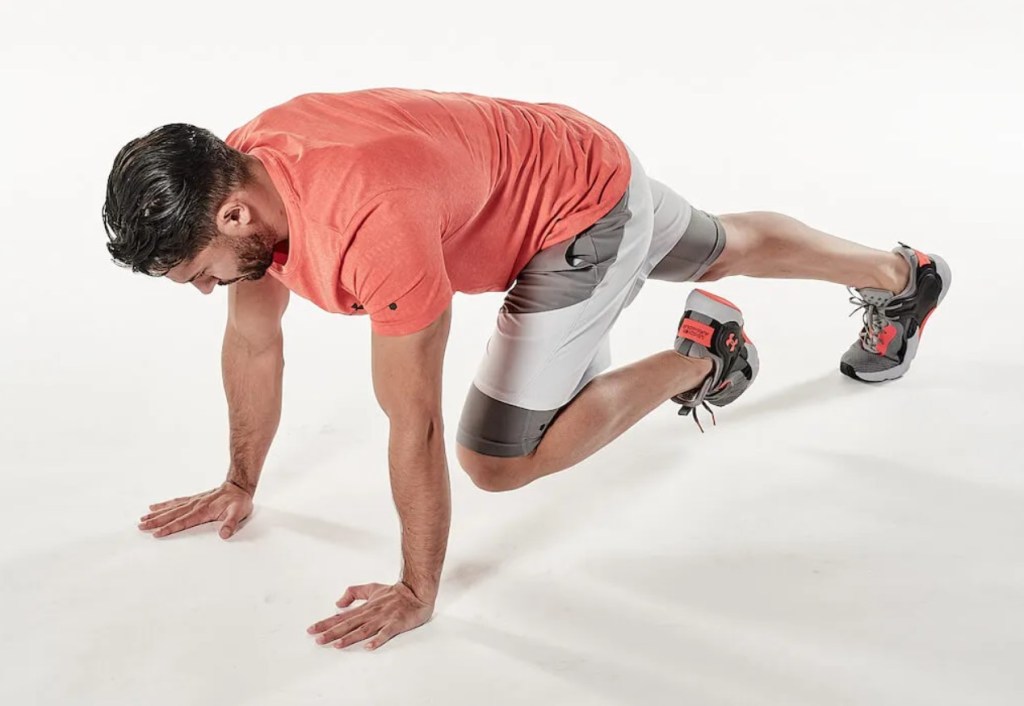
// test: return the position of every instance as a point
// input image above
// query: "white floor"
(827, 543)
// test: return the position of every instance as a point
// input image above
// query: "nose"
(206, 286)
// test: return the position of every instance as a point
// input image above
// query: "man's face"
(238, 252)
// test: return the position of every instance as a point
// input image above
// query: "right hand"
(228, 503)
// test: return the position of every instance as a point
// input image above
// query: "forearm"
(420, 485)
(252, 384)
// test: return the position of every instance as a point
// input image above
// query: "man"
(383, 203)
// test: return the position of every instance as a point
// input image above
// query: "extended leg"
(766, 244)
(897, 291)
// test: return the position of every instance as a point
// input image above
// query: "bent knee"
(494, 474)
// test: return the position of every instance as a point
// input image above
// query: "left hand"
(388, 611)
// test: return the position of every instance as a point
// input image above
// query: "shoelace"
(687, 410)
(874, 320)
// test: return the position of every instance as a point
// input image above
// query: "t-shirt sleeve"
(395, 265)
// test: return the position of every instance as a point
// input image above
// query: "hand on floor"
(228, 503)
(388, 611)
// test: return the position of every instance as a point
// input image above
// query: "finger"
(337, 625)
(367, 629)
(184, 503)
(326, 623)
(167, 503)
(349, 624)
(334, 620)
(357, 593)
(386, 633)
(162, 518)
(196, 517)
(231, 519)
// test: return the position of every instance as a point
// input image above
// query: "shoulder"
(298, 115)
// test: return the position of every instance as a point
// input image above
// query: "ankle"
(896, 274)
(695, 369)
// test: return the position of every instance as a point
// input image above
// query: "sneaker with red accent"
(893, 323)
(712, 328)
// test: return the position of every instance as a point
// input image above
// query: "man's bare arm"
(252, 361)
(407, 381)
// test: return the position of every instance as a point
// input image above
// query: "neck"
(274, 214)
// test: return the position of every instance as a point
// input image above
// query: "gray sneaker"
(712, 328)
(893, 323)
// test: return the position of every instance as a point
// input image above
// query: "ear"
(234, 215)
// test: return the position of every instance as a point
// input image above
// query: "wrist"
(242, 484)
(424, 591)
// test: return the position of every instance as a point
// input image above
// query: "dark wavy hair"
(163, 193)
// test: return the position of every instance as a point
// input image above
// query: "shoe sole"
(718, 308)
(898, 371)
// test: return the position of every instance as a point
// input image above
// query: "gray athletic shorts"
(552, 331)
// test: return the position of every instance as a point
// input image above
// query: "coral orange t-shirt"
(397, 198)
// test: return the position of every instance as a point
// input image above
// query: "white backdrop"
(827, 543)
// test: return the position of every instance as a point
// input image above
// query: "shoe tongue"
(911, 257)
(876, 297)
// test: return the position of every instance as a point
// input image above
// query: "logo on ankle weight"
(728, 341)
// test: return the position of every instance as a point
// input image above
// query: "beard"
(255, 255)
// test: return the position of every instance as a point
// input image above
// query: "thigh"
(551, 337)
(687, 242)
